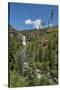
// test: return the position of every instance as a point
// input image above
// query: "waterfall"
(24, 41)
(24, 57)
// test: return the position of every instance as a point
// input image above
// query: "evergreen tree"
(51, 15)
(40, 54)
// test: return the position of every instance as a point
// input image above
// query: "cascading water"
(24, 57)
(24, 41)
(24, 54)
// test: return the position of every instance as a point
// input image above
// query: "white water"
(24, 41)
(38, 73)
(23, 54)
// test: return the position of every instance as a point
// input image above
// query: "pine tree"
(51, 15)
(40, 53)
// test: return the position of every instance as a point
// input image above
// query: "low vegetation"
(42, 55)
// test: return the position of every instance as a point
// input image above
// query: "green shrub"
(17, 80)
(44, 80)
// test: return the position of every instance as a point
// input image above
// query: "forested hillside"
(36, 63)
